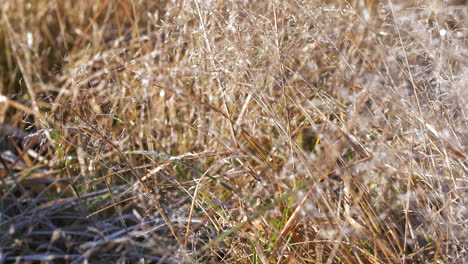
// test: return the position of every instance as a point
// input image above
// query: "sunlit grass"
(233, 131)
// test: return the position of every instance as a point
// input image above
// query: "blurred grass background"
(233, 131)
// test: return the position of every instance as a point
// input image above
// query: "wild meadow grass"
(233, 131)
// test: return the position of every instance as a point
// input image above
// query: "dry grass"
(233, 131)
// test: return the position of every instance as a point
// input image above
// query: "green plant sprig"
(179, 161)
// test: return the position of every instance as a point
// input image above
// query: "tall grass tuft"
(260, 131)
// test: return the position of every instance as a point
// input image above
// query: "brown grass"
(233, 131)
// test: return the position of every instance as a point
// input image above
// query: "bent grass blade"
(176, 160)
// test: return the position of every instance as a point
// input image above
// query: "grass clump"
(266, 131)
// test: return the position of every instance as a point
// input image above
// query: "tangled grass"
(233, 131)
